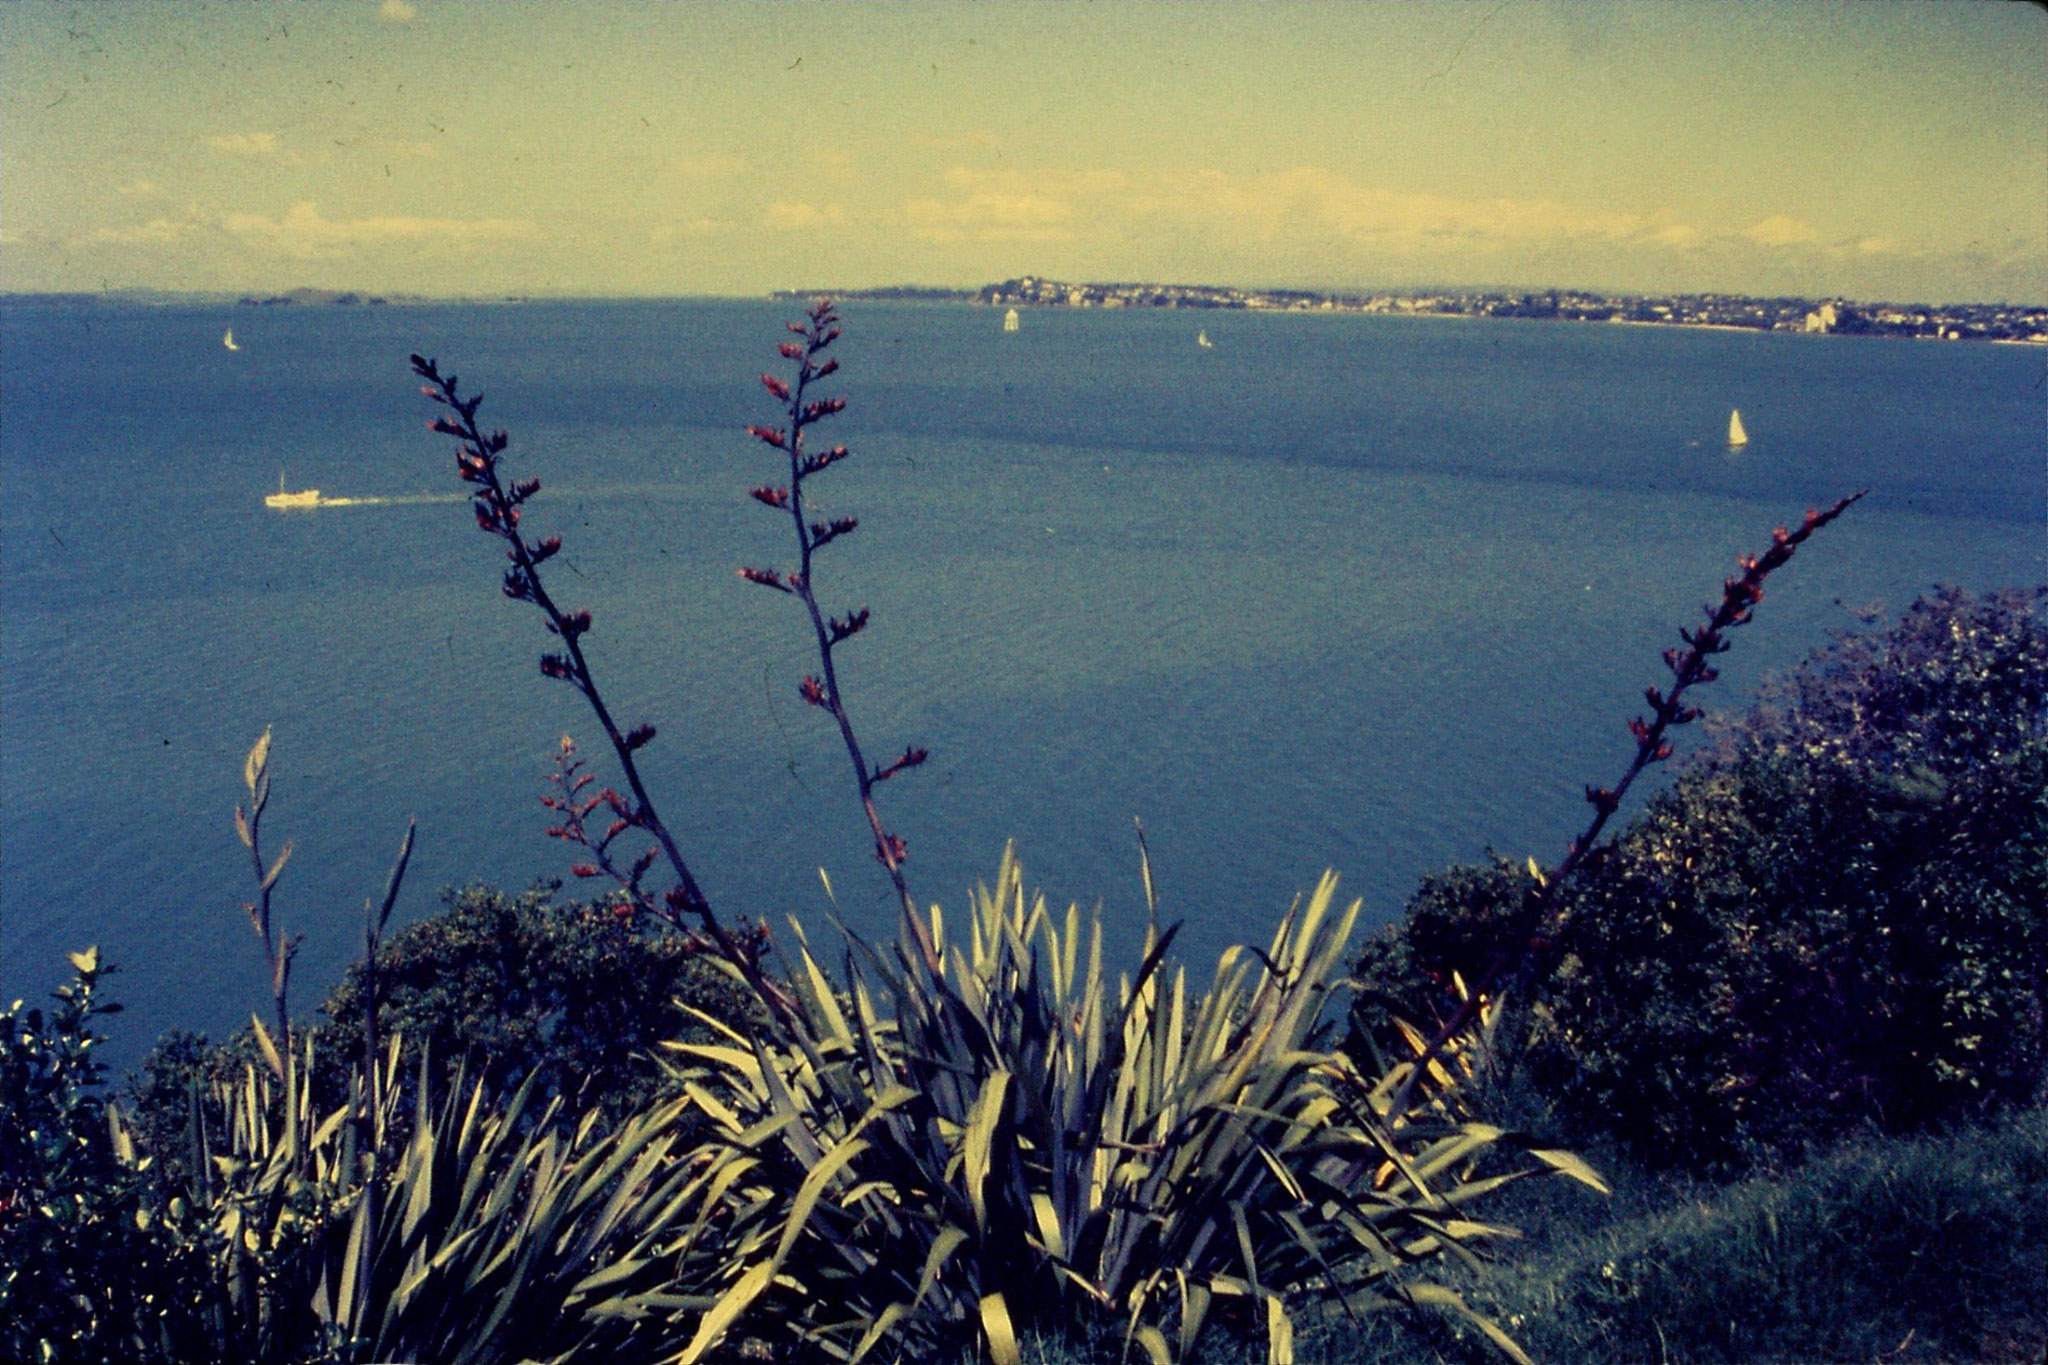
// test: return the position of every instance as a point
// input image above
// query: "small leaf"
(268, 1048)
(277, 868)
(1566, 1163)
(259, 758)
(86, 962)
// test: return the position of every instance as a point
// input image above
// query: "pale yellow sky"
(1876, 150)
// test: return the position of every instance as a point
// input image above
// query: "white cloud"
(397, 12)
(1332, 216)
(990, 216)
(1781, 230)
(832, 163)
(1677, 235)
(141, 188)
(244, 144)
(786, 216)
(302, 232)
(155, 232)
(1306, 202)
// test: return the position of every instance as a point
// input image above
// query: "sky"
(1872, 150)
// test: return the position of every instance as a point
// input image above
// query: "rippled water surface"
(1367, 593)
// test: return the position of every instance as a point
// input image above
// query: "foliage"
(1015, 1144)
(1908, 1249)
(574, 996)
(87, 1269)
(505, 989)
(495, 1234)
(1839, 916)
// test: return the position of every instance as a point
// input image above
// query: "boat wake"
(395, 500)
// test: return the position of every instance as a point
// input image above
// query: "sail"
(1010, 321)
(229, 340)
(1736, 435)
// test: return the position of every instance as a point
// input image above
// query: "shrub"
(1839, 916)
(88, 1272)
(1016, 1145)
(574, 996)
(502, 989)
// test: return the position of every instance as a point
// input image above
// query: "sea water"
(1363, 593)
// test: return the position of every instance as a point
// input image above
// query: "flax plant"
(955, 1142)
(1016, 1143)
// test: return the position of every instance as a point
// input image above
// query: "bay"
(1354, 592)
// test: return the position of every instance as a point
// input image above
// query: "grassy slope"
(1902, 1250)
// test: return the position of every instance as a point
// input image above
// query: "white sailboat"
(1736, 435)
(308, 497)
(1202, 340)
(1010, 321)
(229, 340)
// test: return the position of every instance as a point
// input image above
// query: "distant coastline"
(1831, 315)
(2013, 324)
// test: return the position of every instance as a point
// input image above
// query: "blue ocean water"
(1353, 592)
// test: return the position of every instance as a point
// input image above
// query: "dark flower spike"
(825, 532)
(847, 626)
(912, 757)
(767, 578)
(497, 508)
(1533, 943)
(801, 409)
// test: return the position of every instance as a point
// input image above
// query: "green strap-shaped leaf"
(1001, 1335)
(978, 1145)
(729, 1306)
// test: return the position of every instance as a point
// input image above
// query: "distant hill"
(922, 293)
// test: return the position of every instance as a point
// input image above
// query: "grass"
(1906, 1250)
(1897, 1250)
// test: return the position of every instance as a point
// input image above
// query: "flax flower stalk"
(814, 335)
(498, 507)
(1533, 945)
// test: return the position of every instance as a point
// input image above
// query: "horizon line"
(852, 291)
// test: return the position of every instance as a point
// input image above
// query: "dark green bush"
(1837, 917)
(500, 986)
(87, 1269)
(574, 993)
